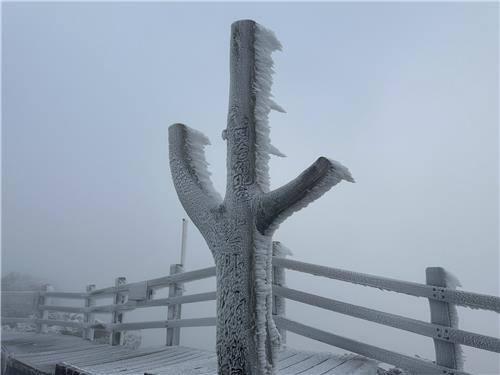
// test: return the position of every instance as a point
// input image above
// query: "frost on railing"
(446, 334)
(51, 317)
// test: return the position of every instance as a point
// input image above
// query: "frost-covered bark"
(239, 229)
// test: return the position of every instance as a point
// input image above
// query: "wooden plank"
(305, 364)
(44, 363)
(122, 365)
(60, 347)
(51, 358)
(104, 356)
(162, 281)
(71, 309)
(175, 365)
(7, 320)
(436, 331)
(205, 364)
(131, 305)
(285, 353)
(292, 360)
(366, 350)
(67, 354)
(18, 293)
(62, 323)
(122, 353)
(67, 295)
(157, 363)
(49, 322)
(66, 348)
(458, 297)
(12, 366)
(355, 366)
(197, 322)
(144, 363)
(32, 342)
(329, 364)
(200, 274)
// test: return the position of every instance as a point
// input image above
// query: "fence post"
(448, 354)
(174, 311)
(88, 317)
(279, 307)
(119, 298)
(43, 314)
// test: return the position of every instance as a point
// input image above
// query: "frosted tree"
(238, 229)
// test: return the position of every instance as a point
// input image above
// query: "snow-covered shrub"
(132, 339)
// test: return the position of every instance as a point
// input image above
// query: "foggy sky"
(404, 95)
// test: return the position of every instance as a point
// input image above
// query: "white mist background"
(405, 95)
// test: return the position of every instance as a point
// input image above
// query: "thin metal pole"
(184, 241)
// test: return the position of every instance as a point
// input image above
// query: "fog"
(405, 95)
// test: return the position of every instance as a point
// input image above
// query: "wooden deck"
(30, 353)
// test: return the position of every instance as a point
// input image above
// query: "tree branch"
(274, 207)
(189, 171)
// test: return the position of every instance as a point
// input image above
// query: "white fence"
(440, 296)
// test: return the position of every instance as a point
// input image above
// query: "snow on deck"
(44, 351)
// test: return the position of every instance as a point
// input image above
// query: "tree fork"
(238, 229)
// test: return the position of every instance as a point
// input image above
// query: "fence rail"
(65, 295)
(416, 365)
(396, 321)
(160, 282)
(441, 297)
(457, 297)
(133, 326)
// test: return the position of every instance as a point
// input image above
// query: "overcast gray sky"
(405, 95)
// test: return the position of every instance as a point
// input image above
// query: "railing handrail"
(457, 297)
(413, 364)
(132, 305)
(132, 326)
(436, 331)
(442, 332)
(64, 295)
(19, 292)
(159, 282)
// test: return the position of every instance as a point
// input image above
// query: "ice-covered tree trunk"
(238, 229)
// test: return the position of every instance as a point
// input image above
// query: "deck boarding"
(43, 352)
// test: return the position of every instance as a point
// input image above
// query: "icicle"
(274, 151)
(281, 250)
(265, 43)
(275, 106)
(196, 142)
(340, 171)
(262, 255)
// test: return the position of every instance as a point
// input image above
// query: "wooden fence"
(441, 297)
